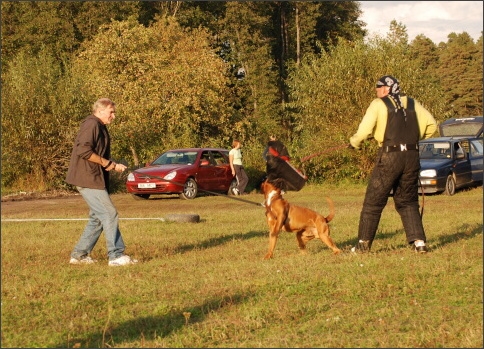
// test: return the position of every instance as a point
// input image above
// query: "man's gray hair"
(102, 103)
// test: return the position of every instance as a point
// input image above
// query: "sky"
(434, 19)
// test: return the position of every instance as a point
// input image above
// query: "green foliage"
(398, 33)
(168, 83)
(37, 128)
(60, 26)
(425, 52)
(461, 61)
(249, 48)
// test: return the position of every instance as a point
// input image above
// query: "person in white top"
(235, 158)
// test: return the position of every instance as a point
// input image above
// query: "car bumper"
(160, 188)
(431, 185)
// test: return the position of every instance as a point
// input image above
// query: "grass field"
(206, 284)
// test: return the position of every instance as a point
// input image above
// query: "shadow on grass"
(213, 242)
(348, 244)
(153, 327)
(465, 231)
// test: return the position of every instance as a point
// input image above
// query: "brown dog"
(306, 223)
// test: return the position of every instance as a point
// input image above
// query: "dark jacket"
(93, 137)
(278, 149)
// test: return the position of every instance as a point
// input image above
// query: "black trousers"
(242, 178)
(398, 171)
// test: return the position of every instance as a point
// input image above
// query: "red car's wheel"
(190, 189)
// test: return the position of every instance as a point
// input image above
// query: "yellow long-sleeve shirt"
(375, 121)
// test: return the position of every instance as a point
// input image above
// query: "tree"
(248, 47)
(60, 26)
(39, 100)
(168, 83)
(398, 33)
(460, 71)
(425, 52)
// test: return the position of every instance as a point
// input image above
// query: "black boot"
(421, 249)
(412, 224)
(362, 247)
(366, 233)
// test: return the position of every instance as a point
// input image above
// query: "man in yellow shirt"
(397, 123)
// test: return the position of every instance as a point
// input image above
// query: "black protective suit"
(397, 166)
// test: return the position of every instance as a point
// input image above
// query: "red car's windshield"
(176, 157)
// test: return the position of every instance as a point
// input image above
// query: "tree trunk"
(298, 42)
(135, 156)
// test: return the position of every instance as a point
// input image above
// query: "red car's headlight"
(170, 175)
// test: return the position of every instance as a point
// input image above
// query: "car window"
(190, 157)
(476, 147)
(469, 126)
(185, 158)
(458, 147)
(164, 159)
(218, 158)
(432, 150)
(206, 156)
(181, 158)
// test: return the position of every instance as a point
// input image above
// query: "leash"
(306, 158)
(423, 198)
(203, 190)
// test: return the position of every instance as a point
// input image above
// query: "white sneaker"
(235, 191)
(85, 260)
(123, 260)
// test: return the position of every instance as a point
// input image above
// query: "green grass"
(206, 285)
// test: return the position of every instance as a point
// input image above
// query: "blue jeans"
(103, 216)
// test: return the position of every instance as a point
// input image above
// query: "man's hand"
(119, 168)
(115, 167)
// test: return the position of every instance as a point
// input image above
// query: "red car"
(185, 172)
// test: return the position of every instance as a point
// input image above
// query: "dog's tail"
(331, 209)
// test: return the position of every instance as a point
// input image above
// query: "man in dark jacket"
(89, 171)
(278, 168)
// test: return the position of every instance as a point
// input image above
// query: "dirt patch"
(24, 196)
(71, 204)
